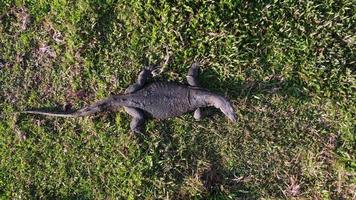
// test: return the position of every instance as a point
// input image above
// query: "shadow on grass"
(245, 89)
(212, 175)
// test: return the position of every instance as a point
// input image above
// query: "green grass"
(288, 67)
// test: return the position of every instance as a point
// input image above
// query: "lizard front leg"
(198, 115)
(192, 78)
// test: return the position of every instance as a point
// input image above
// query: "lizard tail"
(55, 114)
(100, 106)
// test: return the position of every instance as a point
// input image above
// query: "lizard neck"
(198, 97)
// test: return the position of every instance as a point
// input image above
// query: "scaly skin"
(159, 100)
(163, 100)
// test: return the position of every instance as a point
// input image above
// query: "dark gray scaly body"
(159, 100)
(162, 100)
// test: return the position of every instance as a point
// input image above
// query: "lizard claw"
(155, 70)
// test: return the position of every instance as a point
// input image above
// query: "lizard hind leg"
(140, 82)
(138, 119)
(143, 76)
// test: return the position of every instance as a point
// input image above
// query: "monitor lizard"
(160, 100)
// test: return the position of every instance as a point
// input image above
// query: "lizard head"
(229, 112)
(224, 105)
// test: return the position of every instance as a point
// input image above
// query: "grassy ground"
(287, 66)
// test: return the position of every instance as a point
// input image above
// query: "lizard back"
(162, 99)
